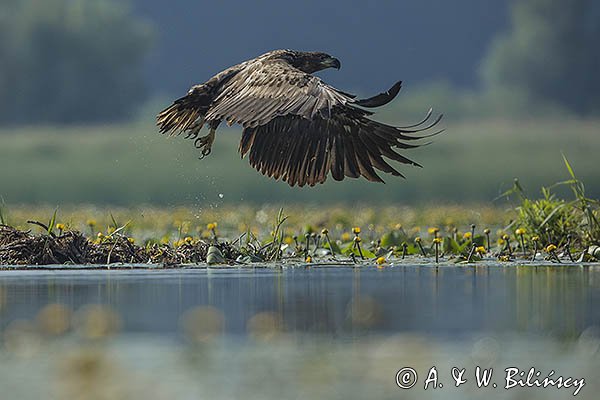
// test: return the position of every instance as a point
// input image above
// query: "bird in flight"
(296, 127)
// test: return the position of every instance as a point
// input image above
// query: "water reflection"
(442, 302)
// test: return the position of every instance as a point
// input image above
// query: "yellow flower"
(380, 261)
(212, 226)
(505, 237)
(356, 230)
(418, 239)
(100, 235)
(131, 240)
(288, 240)
(325, 231)
(437, 240)
(91, 222)
(308, 259)
(345, 237)
(535, 238)
(504, 258)
(357, 239)
(433, 231)
(486, 231)
(60, 227)
(188, 239)
(467, 235)
(480, 250)
(398, 226)
(551, 248)
(520, 231)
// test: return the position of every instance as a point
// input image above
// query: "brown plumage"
(295, 127)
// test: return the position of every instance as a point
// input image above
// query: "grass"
(133, 164)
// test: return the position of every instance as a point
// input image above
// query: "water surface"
(559, 301)
(323, 333)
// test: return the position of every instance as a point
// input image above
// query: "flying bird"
(296, 127)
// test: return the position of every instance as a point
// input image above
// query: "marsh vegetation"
(547, 227)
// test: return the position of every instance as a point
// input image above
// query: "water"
(556, 301)
(292, 333)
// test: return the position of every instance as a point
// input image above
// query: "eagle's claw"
(204, 143)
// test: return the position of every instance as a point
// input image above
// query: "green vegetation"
(560, 230)
(133, 164)
(549, 55)
(546, 63)
(553, 221)
(66, 61)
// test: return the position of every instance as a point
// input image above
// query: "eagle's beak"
(332, 63)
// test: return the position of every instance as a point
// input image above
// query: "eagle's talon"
(204, 143)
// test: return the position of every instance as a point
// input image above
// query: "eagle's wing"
(299, 129)
(267, 89)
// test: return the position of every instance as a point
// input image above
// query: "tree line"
(82, 61)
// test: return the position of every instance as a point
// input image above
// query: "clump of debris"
(18, 247)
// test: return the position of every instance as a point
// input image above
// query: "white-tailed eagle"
(296, 127)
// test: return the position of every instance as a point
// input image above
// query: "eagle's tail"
(185, 114)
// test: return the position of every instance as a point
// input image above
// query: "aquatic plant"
(560, 230)
(566, 224)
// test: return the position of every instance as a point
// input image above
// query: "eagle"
(296, 127)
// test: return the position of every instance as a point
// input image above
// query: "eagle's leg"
(204, 143)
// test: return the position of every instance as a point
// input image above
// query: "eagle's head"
(308, 61)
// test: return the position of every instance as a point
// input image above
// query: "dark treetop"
(296, 127)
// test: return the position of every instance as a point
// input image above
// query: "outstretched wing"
(299, 129)
(267, 89)
(304, 151)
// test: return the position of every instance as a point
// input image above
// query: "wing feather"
(305, 151)
(267, 89)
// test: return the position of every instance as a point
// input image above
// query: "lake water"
(292, 333)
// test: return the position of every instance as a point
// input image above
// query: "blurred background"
(81, 82)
